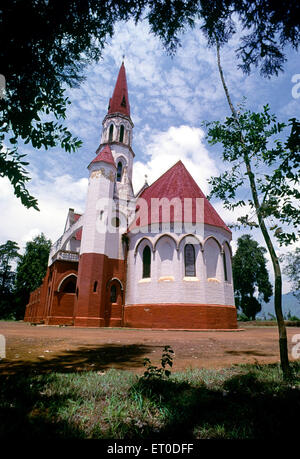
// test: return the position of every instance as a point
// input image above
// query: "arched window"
(119, 171)
(225, 267)
(189, 261)
(113, 294)
(146, 262)
(68, 285)
(121, 133)
(111, 132)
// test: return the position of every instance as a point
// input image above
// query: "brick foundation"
(180, 316)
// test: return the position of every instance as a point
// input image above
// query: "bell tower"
(117, 133)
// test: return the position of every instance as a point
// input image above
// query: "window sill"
(213, 279)
(166, 279)
(142, 281)
(191, 279)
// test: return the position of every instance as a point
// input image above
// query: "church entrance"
(113, 306)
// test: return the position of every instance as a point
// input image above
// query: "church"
(159, 258)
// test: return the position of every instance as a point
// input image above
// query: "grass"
(244, 401)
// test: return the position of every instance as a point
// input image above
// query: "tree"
(267, 27)
(292, 270)
(31, 270)
(8, 256)
(39, 61)
(268, 168)
(250, 276)
(45, 46)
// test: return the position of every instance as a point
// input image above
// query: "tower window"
(189, 261)
(225, 267)
(95, 286)
(111, 132)
(146, 262)
(123, 103)
(121, 133)
(113, 294)
(119, 171)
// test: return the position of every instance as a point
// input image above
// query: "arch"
(226, 244)
(68, 284)
(166, 254)
(212, 250)
(139, 243)
(122, 130)
(111, 132)
(189, 261)
(226, 255)
(215, 239)
(167, 236)
(146, 262)
(192, 236)
(113, 279)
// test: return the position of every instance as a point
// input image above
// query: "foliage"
(245, 401)
(8, 256)
(153, 372)
(39, 62)
(267, 27)
(31, 270)
(276, 163)
(250, 275)
(292, 270)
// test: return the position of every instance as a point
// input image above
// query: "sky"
(169, 97)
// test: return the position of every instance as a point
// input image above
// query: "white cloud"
(55, 196)
(166, 148)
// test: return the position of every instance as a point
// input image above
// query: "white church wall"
(168, 283)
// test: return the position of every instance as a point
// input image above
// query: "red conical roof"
(105, 156)
(178, 183)
(119, 102)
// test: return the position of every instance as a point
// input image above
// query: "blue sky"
(169, 99)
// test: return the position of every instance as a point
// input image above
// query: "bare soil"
(42, 348)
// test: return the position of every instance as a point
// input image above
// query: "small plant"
(154, 372)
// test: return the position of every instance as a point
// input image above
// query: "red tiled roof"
(178, 183)
(119, 102)
(78, 233)
(105, 155)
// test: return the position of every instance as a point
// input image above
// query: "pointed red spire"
(119, 102)
(105, 156)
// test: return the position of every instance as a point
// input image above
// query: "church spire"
(119, 102)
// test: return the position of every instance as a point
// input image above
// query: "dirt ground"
(43, 348)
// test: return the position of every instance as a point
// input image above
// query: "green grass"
(245, 401)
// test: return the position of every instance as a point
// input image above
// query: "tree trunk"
(283, 348)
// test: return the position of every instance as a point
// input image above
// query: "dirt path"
(51, 348)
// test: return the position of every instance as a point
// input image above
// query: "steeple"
(119, 102)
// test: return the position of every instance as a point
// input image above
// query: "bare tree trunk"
(283, 348)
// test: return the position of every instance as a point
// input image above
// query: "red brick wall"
(93, 308)
(180, 316)
(46, 304)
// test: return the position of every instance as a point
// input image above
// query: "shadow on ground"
(83, 359)
(245, 406)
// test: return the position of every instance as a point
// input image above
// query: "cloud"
(183, 143)
(55, 195)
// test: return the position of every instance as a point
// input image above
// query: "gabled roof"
(119, 102)
(105, 155)
(178, 183)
